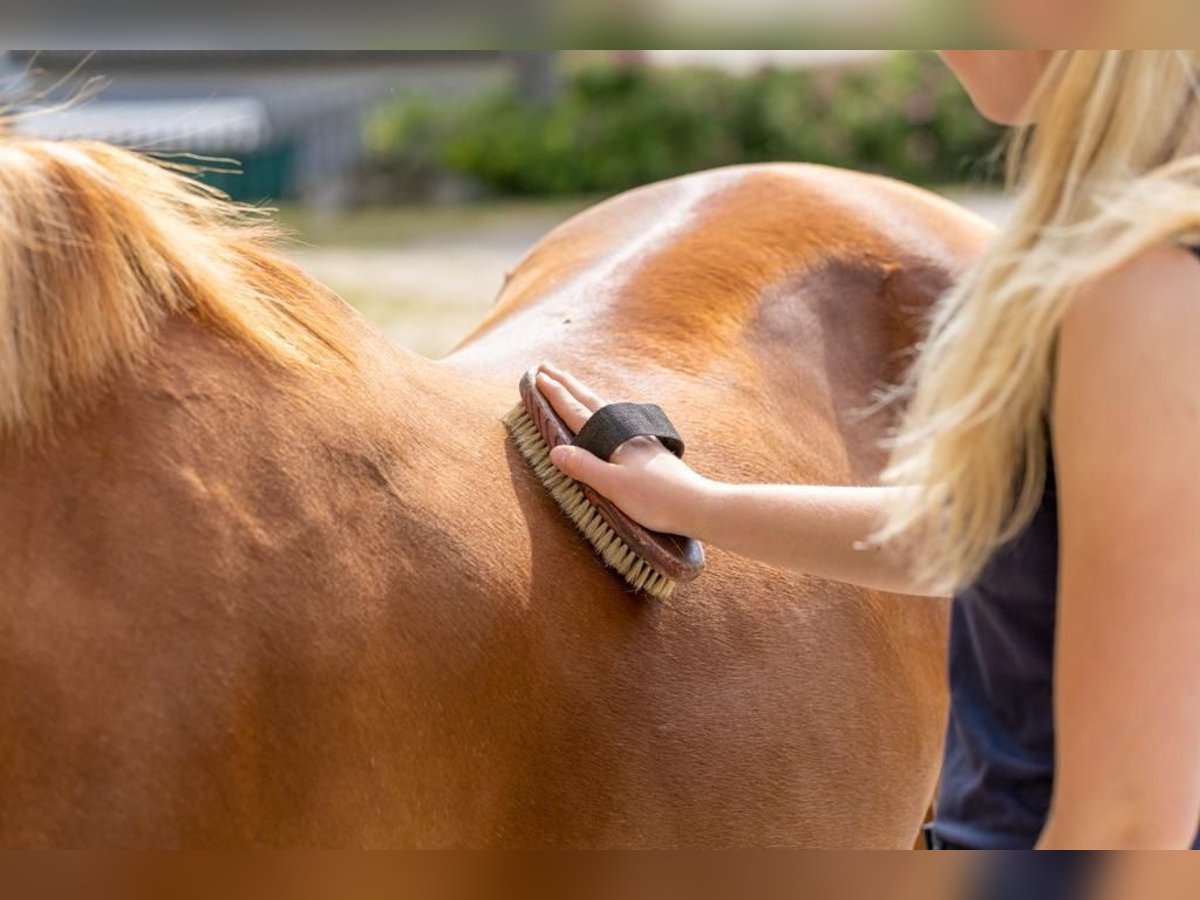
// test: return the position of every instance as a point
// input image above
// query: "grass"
(389, 227)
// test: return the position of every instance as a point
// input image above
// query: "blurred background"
(415, 179)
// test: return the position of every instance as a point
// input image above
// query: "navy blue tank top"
(998, 765)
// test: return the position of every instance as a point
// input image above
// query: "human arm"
(817, 529)
(1126, 420)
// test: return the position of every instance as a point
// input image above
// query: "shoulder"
(1127, 383)
(1161, 280)
(1151, 304)
(1127, 374)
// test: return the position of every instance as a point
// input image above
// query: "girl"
(1046, 474)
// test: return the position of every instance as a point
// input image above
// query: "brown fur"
(245, 604)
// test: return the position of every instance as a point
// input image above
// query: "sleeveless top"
(998, 763)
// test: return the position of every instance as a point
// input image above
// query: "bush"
(617, 126)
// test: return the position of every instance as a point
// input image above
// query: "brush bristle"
(568, 494)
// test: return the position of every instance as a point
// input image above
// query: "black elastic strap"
(612, 425)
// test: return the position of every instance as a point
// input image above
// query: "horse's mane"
(99, 246)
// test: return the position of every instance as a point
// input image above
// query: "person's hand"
(646, 480)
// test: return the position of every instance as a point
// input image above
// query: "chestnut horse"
(268, 580)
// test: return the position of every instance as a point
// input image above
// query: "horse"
(269, 580)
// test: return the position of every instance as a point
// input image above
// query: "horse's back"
(248, 607)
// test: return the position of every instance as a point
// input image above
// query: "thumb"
(580, 465)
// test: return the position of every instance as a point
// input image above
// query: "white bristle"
(569, 496)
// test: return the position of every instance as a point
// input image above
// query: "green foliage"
(617, 126)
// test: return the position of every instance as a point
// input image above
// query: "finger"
(578, 389)
(583, 466)
(573, 413)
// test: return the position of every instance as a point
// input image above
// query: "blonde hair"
(99, 246)
(1110, 170)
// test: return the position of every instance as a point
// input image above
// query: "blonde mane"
(99, 246)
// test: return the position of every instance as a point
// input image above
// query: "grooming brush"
(652, 562)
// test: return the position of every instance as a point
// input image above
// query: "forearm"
(815, 529)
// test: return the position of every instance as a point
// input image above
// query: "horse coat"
(250, 604)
